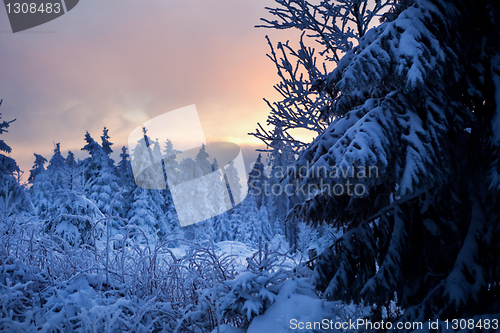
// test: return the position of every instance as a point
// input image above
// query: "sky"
(118, 63)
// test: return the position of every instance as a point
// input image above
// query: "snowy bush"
(113, 285)
(255, 289)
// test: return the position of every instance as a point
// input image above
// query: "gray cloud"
(116, 63)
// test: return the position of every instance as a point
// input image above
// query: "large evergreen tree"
(409, 164)
(38, 167)
(100, 174)
(219, 201)
(106, 144)
(41, 187)
(59, 199)
(279, 196)
(58, 170)
(170, 164)
(126, 180)
(257, 182)
(250, 228)
(48, 184)
(144, 212)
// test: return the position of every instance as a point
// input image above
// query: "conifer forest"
(388, 220)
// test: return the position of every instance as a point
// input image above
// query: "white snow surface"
(240, 250)
(294, 302)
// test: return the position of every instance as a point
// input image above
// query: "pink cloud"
(112, 63)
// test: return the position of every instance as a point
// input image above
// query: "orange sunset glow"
(119, 63)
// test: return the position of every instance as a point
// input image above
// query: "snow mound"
(292, 303)
(239, 250)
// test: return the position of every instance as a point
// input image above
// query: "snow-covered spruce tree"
(145, 159)
(148, 205)
(280, 197)
(251, 223)
(170, 163)
(58, 171)
(47, 184)
(90, 165)
(12, 195)
(74, 218)
(250, 229)
(70, 160)
(125, 180)
(235, 221)
(209, 189)
(40, 185)
(213, 189)
(38, 167)
(143, 212)
(105, 143)
(267, 231)
(194, 210)
(100, 174)
(58, 198)
(220, 222)
(409, 164)
(255, 289)
(257, 182)
(222, 227)
(76, 181)
(232, 180)
(125, 169)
